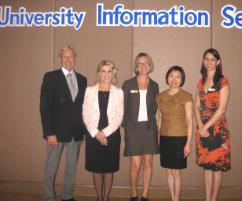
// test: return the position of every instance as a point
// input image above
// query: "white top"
(142, 106)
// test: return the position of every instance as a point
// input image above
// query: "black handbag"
(211, 143)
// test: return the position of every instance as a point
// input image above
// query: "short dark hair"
(180, 70)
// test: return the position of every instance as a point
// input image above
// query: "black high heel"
(133, 198)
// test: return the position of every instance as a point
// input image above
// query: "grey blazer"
(132, 101)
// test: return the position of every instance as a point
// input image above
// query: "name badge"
(134, 91)
(211, 89)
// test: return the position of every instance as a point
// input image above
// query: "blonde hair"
(67, 48)
(148, 57)
(102, 63)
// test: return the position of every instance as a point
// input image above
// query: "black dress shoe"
(72, 199)
(133, 199)
(144, 199)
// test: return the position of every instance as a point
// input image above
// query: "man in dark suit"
(61, 99)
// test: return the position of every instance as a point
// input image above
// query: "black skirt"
(171, 152)
(100, 158)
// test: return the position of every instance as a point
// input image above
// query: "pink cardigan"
(91, 113)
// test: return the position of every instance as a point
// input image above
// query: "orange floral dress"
(213, 152)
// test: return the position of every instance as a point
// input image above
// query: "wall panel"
(229, 43)
(26, 53)
(94, 44)
(174, 46)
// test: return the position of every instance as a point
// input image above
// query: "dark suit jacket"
(59, 114)
(132, 101)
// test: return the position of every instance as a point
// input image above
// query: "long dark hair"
(218, 73)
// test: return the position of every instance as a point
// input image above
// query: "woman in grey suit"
(141, 137)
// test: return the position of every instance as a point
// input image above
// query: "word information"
(177, 16)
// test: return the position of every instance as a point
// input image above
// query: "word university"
(63, 17)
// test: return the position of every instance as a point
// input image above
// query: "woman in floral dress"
(213, 137)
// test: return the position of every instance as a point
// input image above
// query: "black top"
(103, 106)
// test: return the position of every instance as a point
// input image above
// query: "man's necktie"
(72, 86)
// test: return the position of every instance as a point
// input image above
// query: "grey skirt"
(140, 138)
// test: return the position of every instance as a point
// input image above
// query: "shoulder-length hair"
(102, 63)
(218, 73)
(149, 59)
